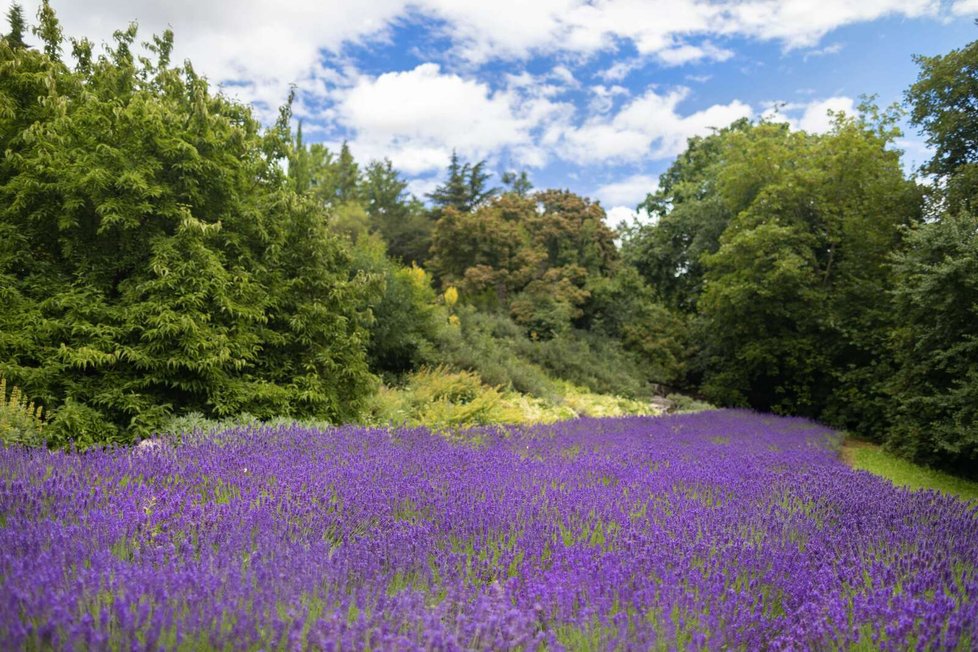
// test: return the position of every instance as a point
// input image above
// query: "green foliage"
(153, 257)
(407, 323)
(944, 103)
(683, 404)
(503, 355)
(373, 200)
(530, 256)
(519, 184)
(441, 398)
(403, 222)
(465, 189)
(485, 253)
(20, 420)
(589, 360)
(489, 345)
(624, 308)
(689, 218)
(789, 317)
(936, 383)
(18, 27)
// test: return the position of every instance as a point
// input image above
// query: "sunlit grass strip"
(902, 473)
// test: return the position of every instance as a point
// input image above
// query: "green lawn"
(900, 472)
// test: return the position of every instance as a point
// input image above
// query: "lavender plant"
(717, 530)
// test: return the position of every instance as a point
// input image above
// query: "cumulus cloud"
(647, 127)
(620, 216)
(965, 7)
(418, 116)
(255, 48)
(815, 117)
(268, 45)
(629, 191)
(686, 53)
(801, 23)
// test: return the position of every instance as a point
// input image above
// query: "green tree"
(347, 176)
(485, 253)
(944, 104)
(401, 220)
(688, 216)
(790, 315)
(936, 384)
(465, 189)
(518, 183)
(623, 307)
(153, 256)
(531, 256)
(18, 27)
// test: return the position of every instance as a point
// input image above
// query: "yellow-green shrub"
(20, 419)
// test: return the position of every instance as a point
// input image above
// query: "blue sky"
(597, 96)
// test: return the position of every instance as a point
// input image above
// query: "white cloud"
(421, 187)
(683, 53)
(417, 117)
(629, 191)
(269, 45)
(965, 7)
(916, 152)
(619, 70)
(604, 97)
(815, 117)
(620, 216)
(266, 46)
(818, 116)
(565, 76)
(801, 23)
(830, 49)
(647, 127)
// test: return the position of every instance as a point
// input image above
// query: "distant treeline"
(162, 253)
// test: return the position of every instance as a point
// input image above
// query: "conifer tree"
(15, 18)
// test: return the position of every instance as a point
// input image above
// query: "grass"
(872, 458)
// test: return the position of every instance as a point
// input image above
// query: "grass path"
(870, 457)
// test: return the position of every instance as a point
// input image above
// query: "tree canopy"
(153, 255)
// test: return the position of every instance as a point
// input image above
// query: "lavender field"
(720, 530)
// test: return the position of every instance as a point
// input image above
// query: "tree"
(944, 104)
(689, 217)
(465, 188)
(935, 387)
(485, 253)
(518, 183)
(935, 340)
(790, 317)
(531, 256)
(401, 220)
(15, 18)
(154, 257)
(48, 29)
(347, 176)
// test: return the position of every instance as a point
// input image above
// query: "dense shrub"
(152, 255)
(590, 360)
(488, 344)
